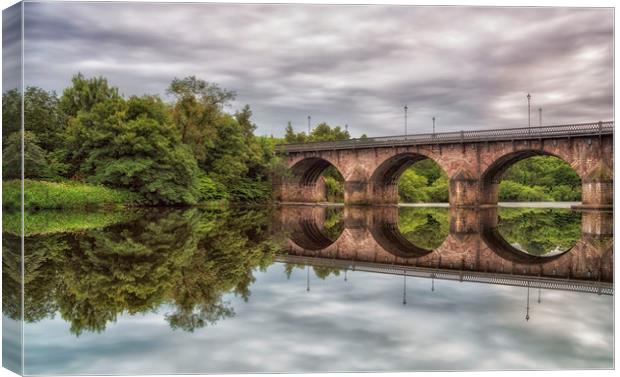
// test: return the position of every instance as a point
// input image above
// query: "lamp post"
(433, 126)
(529, 97)
(406, 121)
(309, 117)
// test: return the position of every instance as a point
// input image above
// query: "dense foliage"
(423, 182)
(184, 152)
(541, 178)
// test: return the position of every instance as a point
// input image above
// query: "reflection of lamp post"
(345, 274)
(307, 278)
(527, 310)
(539, 295)
(404, 287)
(432, 282)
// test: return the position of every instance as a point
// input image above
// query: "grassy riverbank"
(64, 221)
(64, 195)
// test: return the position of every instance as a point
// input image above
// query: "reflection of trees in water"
(40, 275)
(187, 258)
(223, 263)
(320, 272)
(540, 231)
(333, 224)
(426, 228)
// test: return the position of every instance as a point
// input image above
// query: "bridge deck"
(527, 133)
(573, 285)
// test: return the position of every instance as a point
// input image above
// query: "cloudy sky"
(470, 67)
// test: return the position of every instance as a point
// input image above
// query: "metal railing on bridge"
(543, 132)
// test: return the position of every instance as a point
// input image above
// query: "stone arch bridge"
(473, 160)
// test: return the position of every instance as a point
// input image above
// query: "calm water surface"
(301, 289)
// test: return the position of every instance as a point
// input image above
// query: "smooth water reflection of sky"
(357, 325)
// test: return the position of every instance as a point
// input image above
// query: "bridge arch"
(384, 179)
(303, 182)
(492, 176)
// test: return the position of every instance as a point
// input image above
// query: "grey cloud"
(11, 47)
(357, 65)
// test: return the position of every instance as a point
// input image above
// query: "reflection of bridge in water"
(473, 251)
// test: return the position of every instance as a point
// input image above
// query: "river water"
(306, 289)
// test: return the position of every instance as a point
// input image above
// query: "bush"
(515, 192)
(63, 195)
(210, 190)
(251, 191)
(564, 193)
(334, 190)
(438, 191)
(412, 187)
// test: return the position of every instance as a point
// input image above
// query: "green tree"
(84, 94)
(132, 145)
(196, 109)
(291, 137)
(540, 178)
(411, 187)
(324, 132)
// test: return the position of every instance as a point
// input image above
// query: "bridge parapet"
(521, 133)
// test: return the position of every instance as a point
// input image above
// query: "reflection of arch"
(308, 231)
(498, 244)
(307, 171)
(391, 169)
(309, 236)
(389, 237)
